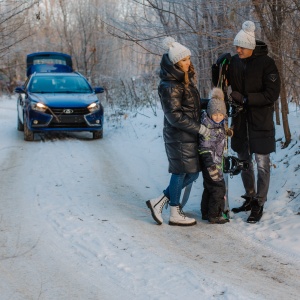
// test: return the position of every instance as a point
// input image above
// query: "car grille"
(75, 119)
(76, 111)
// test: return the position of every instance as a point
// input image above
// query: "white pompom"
(168, 42)
(248, 26)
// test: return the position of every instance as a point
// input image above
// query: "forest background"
(117, 43)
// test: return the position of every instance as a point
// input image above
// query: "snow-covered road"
(74, 225)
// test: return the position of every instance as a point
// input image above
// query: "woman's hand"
(204, 131)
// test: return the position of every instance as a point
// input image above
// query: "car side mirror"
(20, 90)
(98, 90)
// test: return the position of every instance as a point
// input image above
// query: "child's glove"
(214, 173)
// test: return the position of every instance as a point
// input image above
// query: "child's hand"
(214, 173)
(229, 132)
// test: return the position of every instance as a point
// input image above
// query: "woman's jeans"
(260, 188)
(177, 183)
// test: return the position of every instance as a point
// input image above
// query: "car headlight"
(39, 106)
(94, 107)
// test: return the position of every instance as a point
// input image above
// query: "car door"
(21, 102)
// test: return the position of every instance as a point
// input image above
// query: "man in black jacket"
(255, 85)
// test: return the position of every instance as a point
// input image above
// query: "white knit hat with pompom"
(175, 50)
(246, 37)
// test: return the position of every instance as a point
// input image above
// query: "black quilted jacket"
(256, 78)
(181, 106)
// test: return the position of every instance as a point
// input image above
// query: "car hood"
(64, 100)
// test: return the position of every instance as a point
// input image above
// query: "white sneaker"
(156, 206)
(177, 217)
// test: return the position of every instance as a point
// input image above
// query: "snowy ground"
(74, 224)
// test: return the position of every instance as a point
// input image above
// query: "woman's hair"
(186, 79)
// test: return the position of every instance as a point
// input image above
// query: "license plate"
(69, 119)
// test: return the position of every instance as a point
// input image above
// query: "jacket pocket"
(261, 118)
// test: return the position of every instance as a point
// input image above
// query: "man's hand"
(237, 97)
(222, 57)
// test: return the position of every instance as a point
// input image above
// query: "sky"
(74, 223)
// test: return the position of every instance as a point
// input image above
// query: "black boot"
(256, 212)
(218, 220)
(204, 216)
(246, 205)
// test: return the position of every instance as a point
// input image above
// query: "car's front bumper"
(38, 121)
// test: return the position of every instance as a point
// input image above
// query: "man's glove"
(204, 131)
(222, 57)
(237, 97)
(215, 68)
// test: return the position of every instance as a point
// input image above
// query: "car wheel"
(20, 126)
(98, 134)
(28, 134)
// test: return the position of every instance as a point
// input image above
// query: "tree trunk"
(276, 13)
(284, 115)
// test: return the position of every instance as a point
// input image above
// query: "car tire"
(98, 134)
(20, 126)
(28, 134)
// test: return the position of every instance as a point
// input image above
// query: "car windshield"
(59, 84)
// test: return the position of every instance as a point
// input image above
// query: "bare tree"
(119, 42)
(207, 27)
(15, 27)
(273, 15)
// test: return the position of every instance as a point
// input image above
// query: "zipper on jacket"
(244, 91)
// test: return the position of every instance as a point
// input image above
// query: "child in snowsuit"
(211, 151)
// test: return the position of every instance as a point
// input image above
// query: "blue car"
(58, 100)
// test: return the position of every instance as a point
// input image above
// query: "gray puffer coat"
(181, 106)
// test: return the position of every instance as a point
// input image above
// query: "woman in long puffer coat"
(180, 101)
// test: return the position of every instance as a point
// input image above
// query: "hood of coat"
(260, 49)
(169, 71)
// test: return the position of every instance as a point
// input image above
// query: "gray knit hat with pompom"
(216, 103)
(175, 50)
